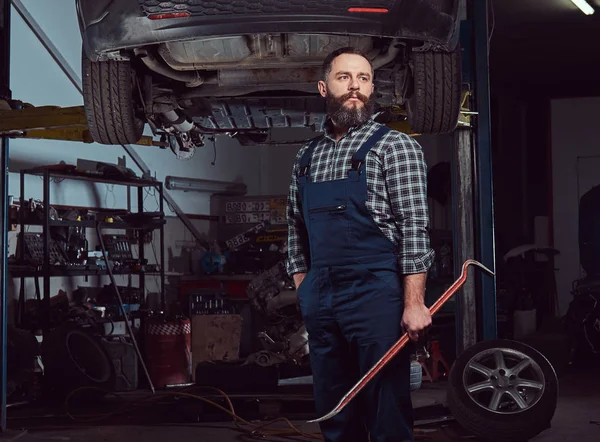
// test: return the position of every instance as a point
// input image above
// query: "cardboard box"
(215, 338)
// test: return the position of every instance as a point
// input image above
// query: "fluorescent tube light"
(584, 6)
(208, 186)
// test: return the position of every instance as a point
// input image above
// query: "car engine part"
(284, 338)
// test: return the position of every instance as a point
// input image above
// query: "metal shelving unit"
(48, 270)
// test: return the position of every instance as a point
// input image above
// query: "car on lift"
(197, 68)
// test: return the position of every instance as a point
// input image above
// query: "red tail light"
(369, 10)
(169, 15)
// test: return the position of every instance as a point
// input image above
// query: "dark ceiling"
(545, 45)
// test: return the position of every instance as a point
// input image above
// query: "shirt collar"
(328, 128)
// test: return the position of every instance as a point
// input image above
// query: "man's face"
(348, 90)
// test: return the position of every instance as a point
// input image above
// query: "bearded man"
(359, 252)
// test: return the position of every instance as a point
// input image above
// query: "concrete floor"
(577, 412)
(577, 417)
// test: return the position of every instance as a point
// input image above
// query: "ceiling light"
(584, 6)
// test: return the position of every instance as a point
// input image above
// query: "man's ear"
(322, 88)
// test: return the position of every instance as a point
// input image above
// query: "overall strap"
(358, 159)
(306, 158)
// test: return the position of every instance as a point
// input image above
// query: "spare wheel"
(503, 390)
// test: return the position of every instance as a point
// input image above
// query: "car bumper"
(110, 26)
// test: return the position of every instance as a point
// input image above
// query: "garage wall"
(575, 169)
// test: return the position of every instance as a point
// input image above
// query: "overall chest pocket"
(328, 212)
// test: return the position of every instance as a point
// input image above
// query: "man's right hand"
(298, 278)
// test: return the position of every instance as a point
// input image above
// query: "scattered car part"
(503, 391)
(284, 338)
(400, 343)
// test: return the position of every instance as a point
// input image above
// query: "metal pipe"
(213, 90)
(46, 260)
(4, 155)
(162, 254)
(182, 124)
(190, 78)
(392, 53)
(4, 271)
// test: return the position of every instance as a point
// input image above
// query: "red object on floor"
(168, 346)
(436, 359)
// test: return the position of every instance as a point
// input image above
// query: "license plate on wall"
(247, 206)
(253, 212)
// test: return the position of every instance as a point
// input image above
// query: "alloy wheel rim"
(504, 381)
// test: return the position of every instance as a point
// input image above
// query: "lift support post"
(486, 248)
(473, 206)
(5, 94)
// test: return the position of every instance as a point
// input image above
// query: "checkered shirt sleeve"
(405, 177)
(298, 248)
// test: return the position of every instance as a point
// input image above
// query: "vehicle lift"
(471, 170)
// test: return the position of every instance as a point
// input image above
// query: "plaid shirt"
(397, 194)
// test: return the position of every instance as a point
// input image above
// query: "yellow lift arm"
(51, 123)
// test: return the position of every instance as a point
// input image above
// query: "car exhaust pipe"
(191, 78)
(392, 53)
(179, 122)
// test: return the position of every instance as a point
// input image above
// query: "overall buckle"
(303, 170)
(356, 165)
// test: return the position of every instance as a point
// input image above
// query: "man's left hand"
(415, 320)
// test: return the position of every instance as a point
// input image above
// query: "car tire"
(75, 358)
(433, 104)
(475, 410)
(108, 102)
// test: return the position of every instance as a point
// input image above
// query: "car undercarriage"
(182, 70)
(259, 83)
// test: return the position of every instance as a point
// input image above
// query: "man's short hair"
(326, 70)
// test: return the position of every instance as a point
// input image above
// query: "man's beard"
(343, 116)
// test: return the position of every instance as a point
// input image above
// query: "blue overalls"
(352, 304)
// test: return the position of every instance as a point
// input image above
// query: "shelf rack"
(46, 270)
